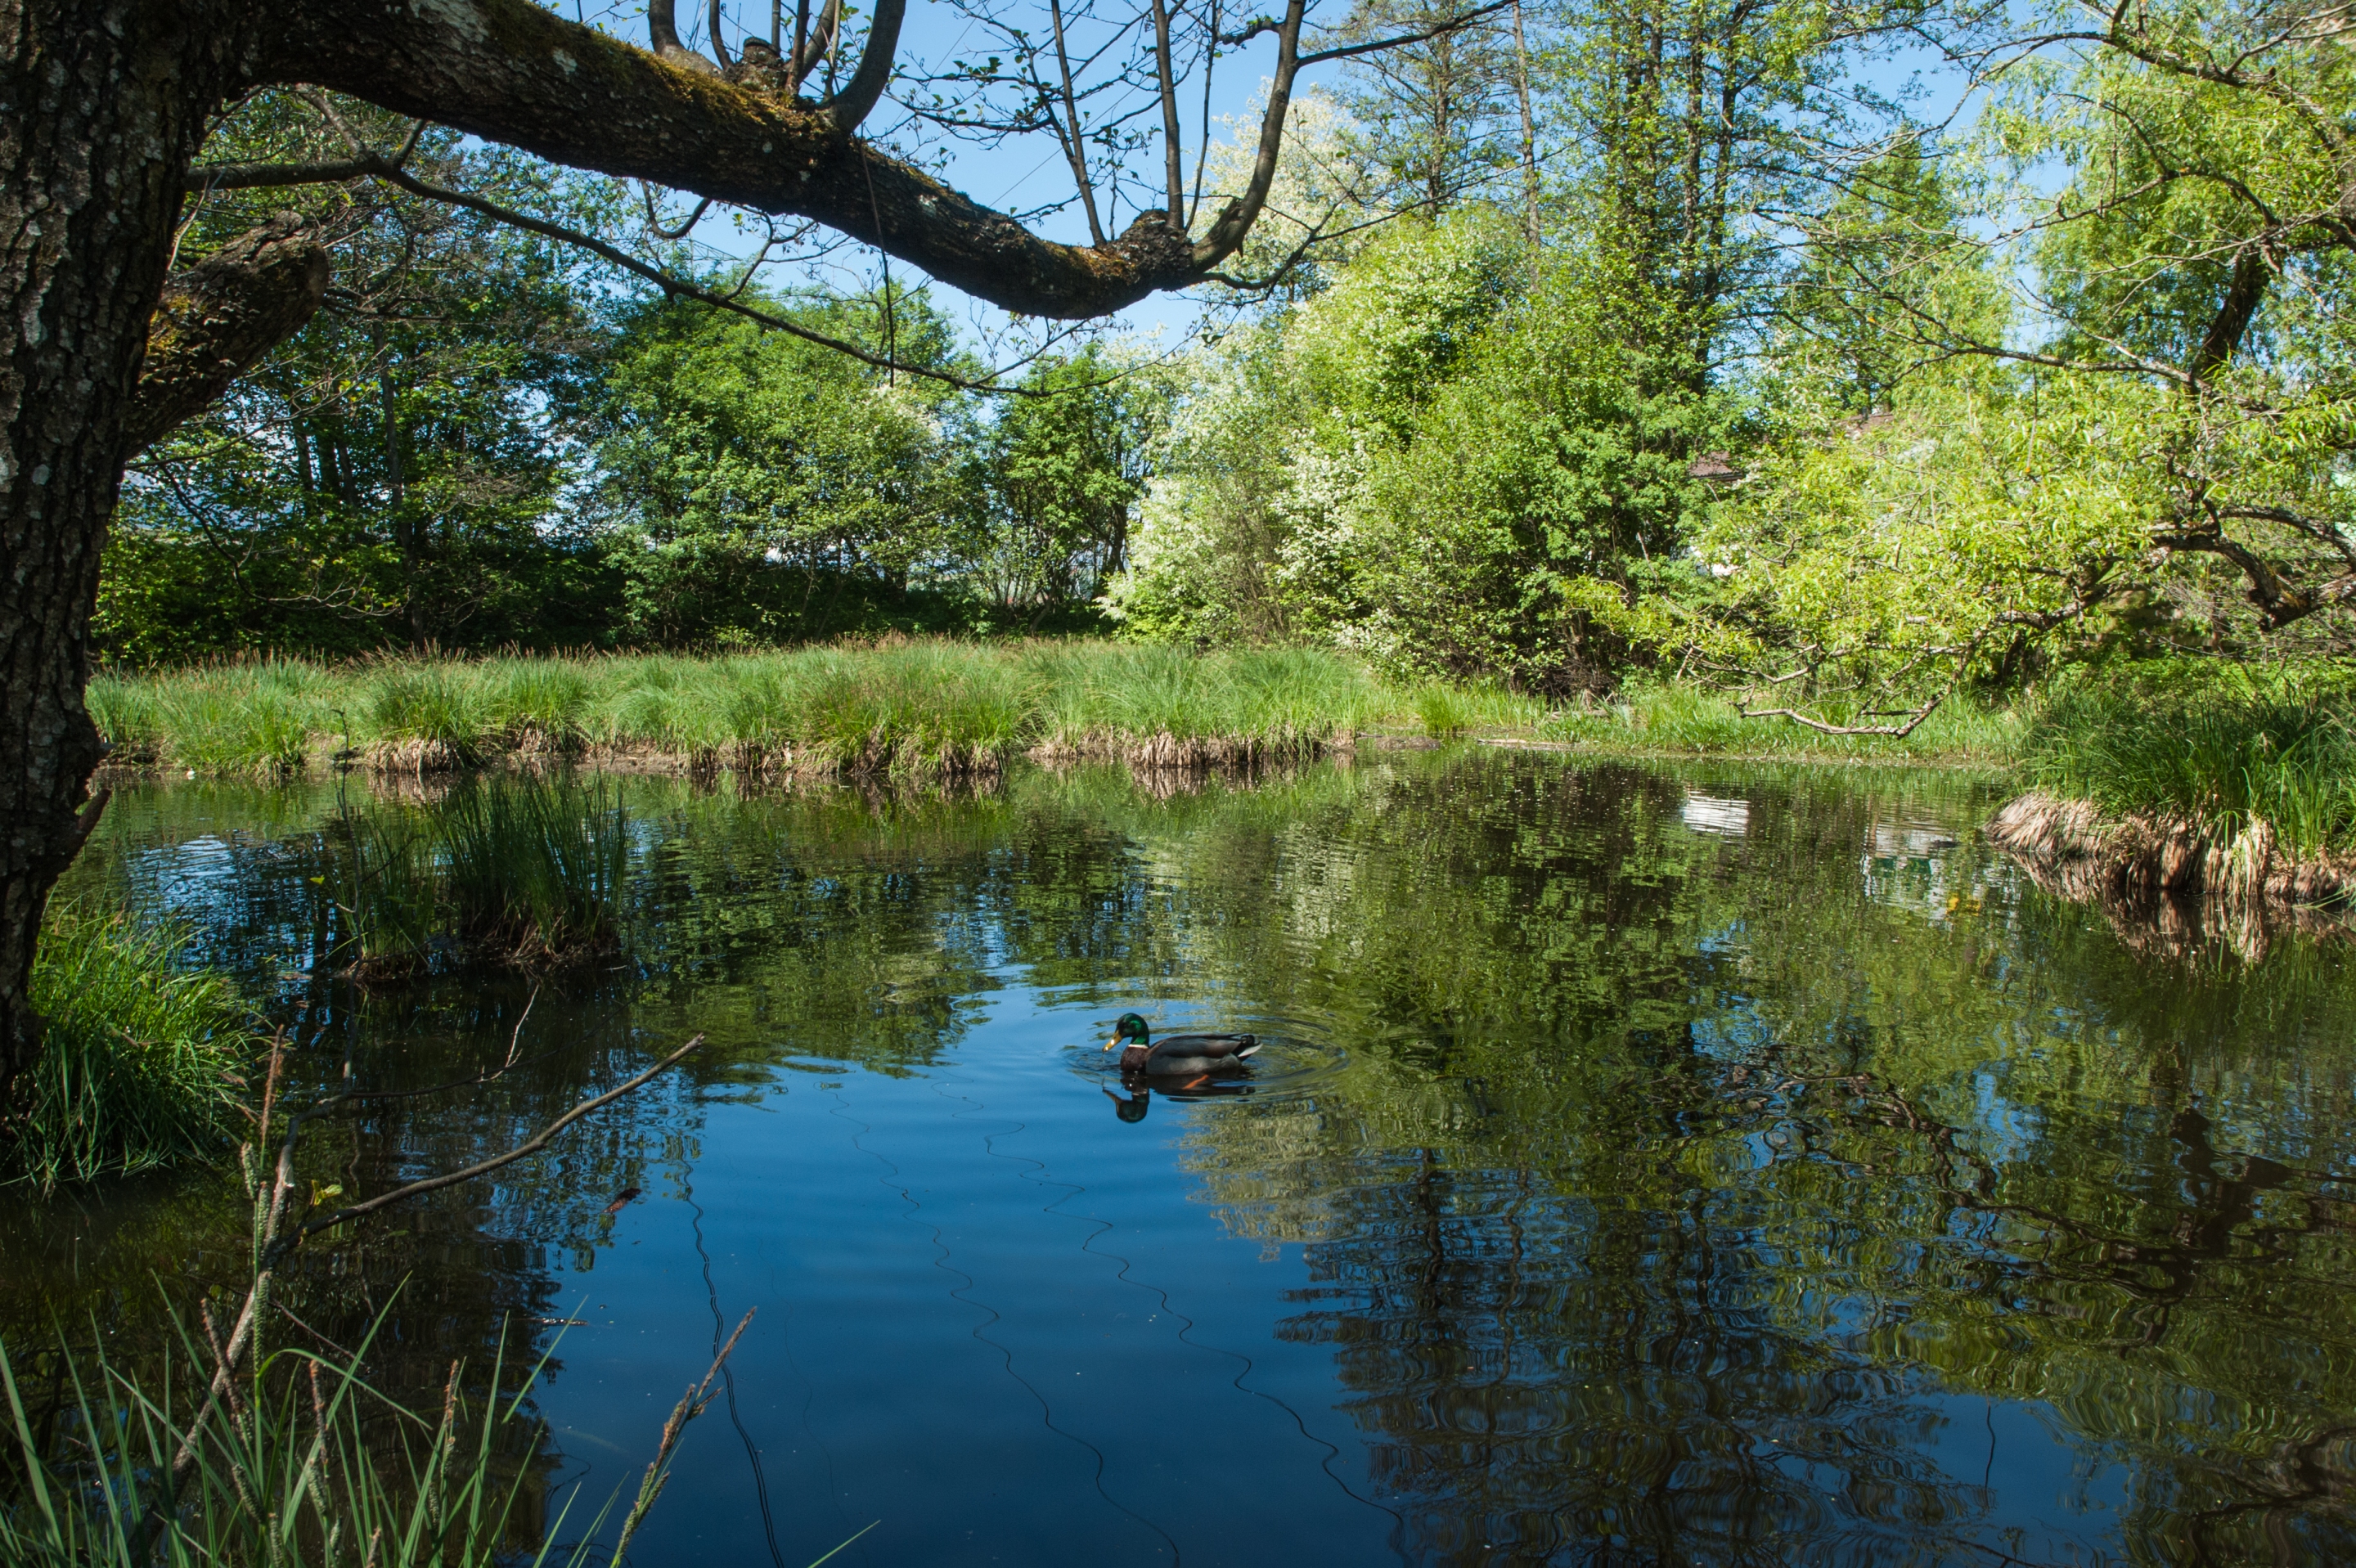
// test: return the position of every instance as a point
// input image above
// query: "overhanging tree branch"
(669, 283)
(510, 71)
(218, 318)
(1455, 24)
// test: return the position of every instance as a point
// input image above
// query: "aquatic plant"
(137, 1062)
(314, 1466)
(533, 869)
(519, 870)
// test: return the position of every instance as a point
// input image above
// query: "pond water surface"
(1647, 1165)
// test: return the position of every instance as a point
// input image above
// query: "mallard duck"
(1187, 1053)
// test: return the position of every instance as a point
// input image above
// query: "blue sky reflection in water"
(1707, 1164)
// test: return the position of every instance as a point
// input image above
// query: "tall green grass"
(919, 706)
(516, 870)
(137, 1064)
(2224, 745)
(314, 1465)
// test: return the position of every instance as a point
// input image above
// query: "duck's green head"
(1130, 1026)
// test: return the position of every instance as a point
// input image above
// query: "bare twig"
(533, 1145)
(1896, 731)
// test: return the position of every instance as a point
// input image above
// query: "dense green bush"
(1252, 527)
(1538, 486)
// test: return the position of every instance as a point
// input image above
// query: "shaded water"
(1692, 1165)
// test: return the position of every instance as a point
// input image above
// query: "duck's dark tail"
(1250, 1044)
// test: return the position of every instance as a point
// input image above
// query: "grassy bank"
(2193, 778)
(935, 707)
(1685, 720)
(923, 708)
(134, 1070)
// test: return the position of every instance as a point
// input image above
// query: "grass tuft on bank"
(136, 1066)
(2221, 745)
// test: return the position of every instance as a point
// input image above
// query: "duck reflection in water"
(1140, 1091)
(1132, 1109)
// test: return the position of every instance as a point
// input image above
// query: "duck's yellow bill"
(1113, 1042)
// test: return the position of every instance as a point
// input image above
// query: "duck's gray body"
(1189, 1054)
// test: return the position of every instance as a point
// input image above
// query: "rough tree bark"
(102, 103)
(104, 107)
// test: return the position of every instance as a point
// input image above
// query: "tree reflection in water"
(1716, 1165)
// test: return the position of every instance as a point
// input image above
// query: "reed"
(244, 1450)
(534, 869)
(137, 1064)
(512, 870)
(2222, 747)
(314, 1465)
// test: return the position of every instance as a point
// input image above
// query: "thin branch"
(1203, 146)
(655, 225)
(666, 281)
(859, 96)
(1896, 731)
(1074, 148)
(1453, 25)
(719, 48)
(1236, 218)
(533, 1145)
(1173, 156)
(662, 31)
(809, 50)
(261, 176)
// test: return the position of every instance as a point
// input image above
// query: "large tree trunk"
(102, 103)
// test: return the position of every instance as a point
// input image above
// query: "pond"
(1644, 1163)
